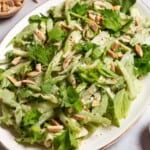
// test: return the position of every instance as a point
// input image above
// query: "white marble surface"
(137, 138)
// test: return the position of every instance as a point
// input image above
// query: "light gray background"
(137, 138)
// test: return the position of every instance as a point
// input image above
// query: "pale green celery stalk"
(96, 119)
(8, 98)
(20, 53)
(73, 66)
(58, 79)
(55, 61)
(4, 61)
(45, 116)
(69, 122)
(81, 87)
(102, 108)
(49, 25)
(108, 91)
(67, 14)
(130, 81)
(79, 16)
(19, 113)
(121, 104)
(34, 88)
(106, 72)
(14, 69)
(49, 97)
(43, 106)
(73, 38)
(7, 116)
(126, 48)
(91, 66)
(43, 26)
(72, 80)
(18, 116)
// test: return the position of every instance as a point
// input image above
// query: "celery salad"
(73, 70)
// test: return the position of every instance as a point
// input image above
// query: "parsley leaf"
(31, 117)
(38, 18)
(143, 63)
(114, 22)
(57, 34)
(85, 46)
(71, 99)
(80, 9)
(39, 54)
(42, 54)
(46, 87)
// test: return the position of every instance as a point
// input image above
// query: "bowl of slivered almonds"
(10, 7)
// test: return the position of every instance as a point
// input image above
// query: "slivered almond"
(28, 82)
(67, 61)
(99, 19)
(112, 67)
(57, 44)
(138, 30)
(120, 55)
(54, 128)
(116, 7)
(4, 6)
(92, 16)
(95, 103)
(127, 37)
(78, 117)
(99, 4)
(40, 35)
(38, 67)
(70, 110)
(33, 74)
(10, 3)
(137, 21)
(66, 27)
(111, 81)
(16, 60)
(112, 54)
(78, 27)
(14, 81)
(93, 25)
(139, 50)
(55, 122)
(18, 2)
(115, 46)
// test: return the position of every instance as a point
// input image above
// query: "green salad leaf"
(143, 63)
(66, 140)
